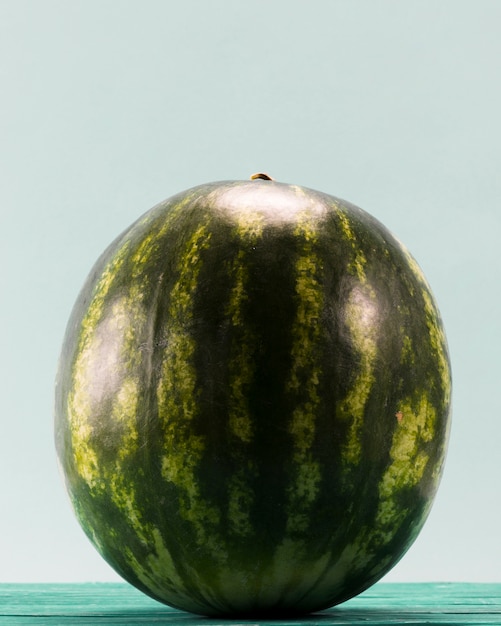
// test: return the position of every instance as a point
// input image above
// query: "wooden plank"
(385, 604)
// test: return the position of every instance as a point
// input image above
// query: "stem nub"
(261, 175)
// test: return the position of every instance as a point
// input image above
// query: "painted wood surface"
(119, 604)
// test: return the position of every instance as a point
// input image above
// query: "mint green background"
(109, 107)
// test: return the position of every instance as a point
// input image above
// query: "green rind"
(252, 405)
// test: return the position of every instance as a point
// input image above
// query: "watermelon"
(252, 400)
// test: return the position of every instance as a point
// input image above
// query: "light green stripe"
(416, 427)
(305, 377)
(241, 373)
(361, 309)
(177, 395)
(85, 370)
(438, 341)
(302, 386)
(241, 364)
(357, 265)
(158, 571)
(406, 469)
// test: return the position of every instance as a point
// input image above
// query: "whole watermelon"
(252, 403)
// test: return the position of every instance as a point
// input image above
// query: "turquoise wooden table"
(119, 604)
